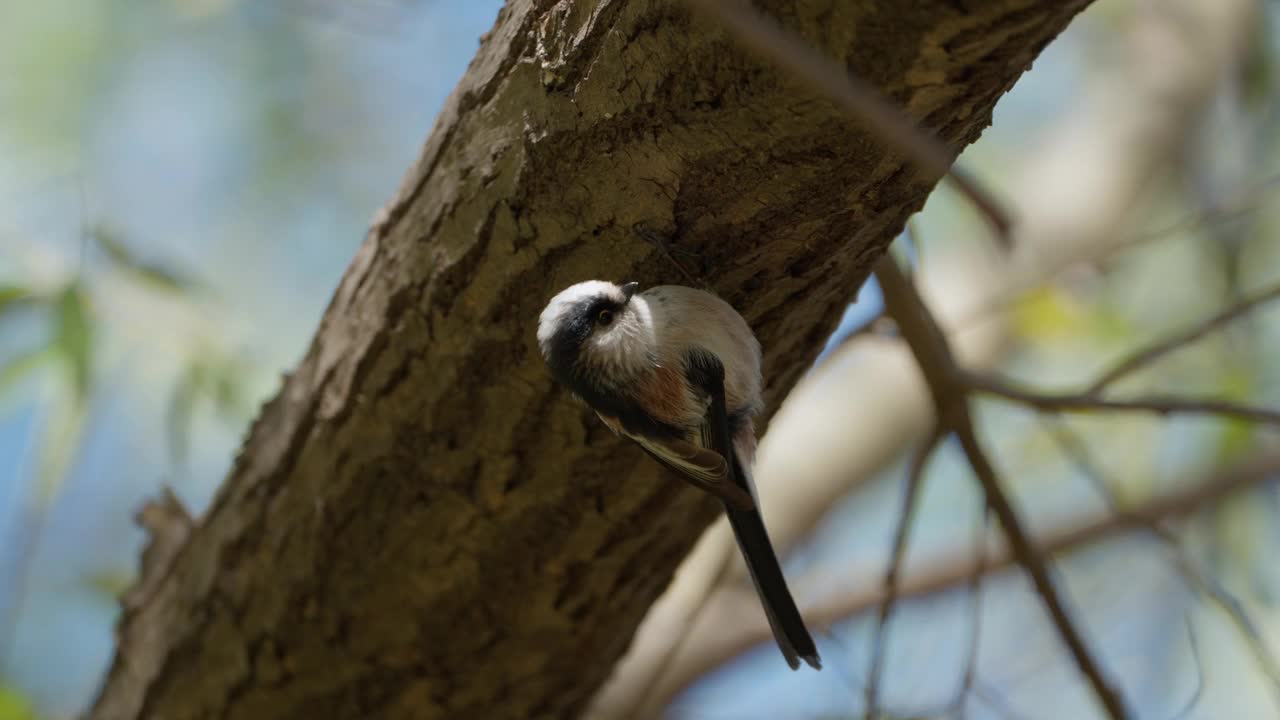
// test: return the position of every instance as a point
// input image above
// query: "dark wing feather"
(748, 525)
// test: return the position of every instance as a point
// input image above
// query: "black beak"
(629, 289)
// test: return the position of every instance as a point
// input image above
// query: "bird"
(678, 371)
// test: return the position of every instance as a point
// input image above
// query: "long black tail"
(784, 617)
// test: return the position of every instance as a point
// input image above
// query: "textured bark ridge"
(420, 525)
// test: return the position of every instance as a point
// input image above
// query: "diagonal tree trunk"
(420, 524)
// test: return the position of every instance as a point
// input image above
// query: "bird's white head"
(597, 331)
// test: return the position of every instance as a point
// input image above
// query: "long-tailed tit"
(677, 370)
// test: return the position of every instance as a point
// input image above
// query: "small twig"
(914, 254)
(975, 620)
(1194, 700)
(929, 346)
(846, 674)
(1031, 560)
(167, 524)
(856, 97)
(1008, 297)
(995, 702)
(1234, 611)
(950, 570)
(1083, 402)
(661, 244)
(1149, 354)
(915, 475)
(1077, 452)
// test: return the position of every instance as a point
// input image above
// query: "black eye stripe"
(576, 326)
(598, 306)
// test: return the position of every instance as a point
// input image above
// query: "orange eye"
(605, 317)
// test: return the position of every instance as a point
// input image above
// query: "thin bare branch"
(1108, 253)
(663, 246)
(998, 705)
(1083, 402)
(909, 241)
(975, 621)
(1077, 452)
(1032, 560)
(1194, 644)
(856, 97)
(951, 570)
(915, 476)
(929, 346)
(1236, 613)
(1147, 355)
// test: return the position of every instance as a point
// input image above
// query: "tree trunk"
(420, 524)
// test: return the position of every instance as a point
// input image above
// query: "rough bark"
(420, 524)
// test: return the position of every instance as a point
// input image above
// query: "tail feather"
(784, 617)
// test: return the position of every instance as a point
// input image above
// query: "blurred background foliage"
(185, 181)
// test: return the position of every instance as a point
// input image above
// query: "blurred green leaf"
(219, 381)
(74, 337)
(1052, 315)
(1048, 313)
(1236, 436)
(62, 438)
(1241, 526)
(19, 366)
(159, 277)
(1108, 323)
(14, 298)
(14, 706)
(11, 295)
(1258, 69)
(111, 583)
(181, 410)
(230, 392)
